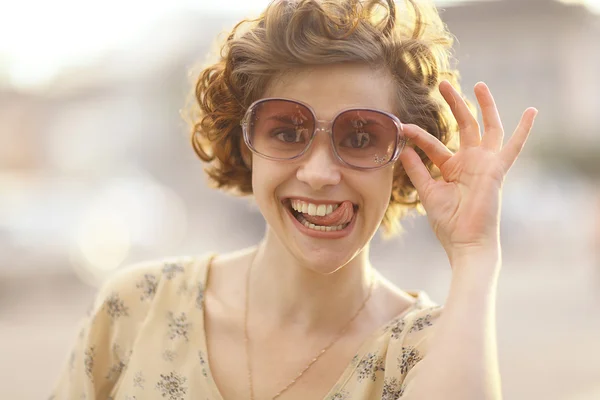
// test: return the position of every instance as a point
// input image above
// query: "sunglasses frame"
(400, 141)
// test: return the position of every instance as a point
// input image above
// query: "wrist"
(489, 254)
(476, 272)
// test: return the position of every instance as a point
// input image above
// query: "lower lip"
(321, 234)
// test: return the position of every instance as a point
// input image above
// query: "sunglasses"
(283, 129)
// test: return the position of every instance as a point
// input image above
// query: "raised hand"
(463, 208)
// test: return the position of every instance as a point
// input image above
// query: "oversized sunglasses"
(283, 129)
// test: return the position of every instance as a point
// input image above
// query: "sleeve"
(106, 336)
(419, 328)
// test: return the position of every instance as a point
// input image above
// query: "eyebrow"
(346, 119)
(368, 121)
(284, 119)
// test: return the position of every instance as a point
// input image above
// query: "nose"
(319, 167)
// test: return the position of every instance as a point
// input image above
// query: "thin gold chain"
(314, 360)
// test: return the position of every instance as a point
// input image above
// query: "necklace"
(314, 360)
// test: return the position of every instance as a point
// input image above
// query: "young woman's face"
(283, 189)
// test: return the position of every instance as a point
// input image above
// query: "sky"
(39, 37)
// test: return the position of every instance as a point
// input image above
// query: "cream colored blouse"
(144, 339)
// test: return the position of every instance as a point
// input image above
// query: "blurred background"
(96, 172)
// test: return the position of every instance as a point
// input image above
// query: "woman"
(338, 118)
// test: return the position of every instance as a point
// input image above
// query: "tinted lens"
(365, 138)
(280, 128)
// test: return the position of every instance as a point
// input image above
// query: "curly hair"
(407, 39)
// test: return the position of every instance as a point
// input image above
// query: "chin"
(325, 263)
(324, 258)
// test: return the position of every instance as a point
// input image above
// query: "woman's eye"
(290, 136)
(358, 140)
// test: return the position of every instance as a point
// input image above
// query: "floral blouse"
(144, 339)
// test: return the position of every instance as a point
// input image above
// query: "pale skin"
(297, 298)
(464, 211)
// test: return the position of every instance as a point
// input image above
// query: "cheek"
(377, 191)
(380, 184)
(266, 178)
(260, 181)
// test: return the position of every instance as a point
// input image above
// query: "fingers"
(467, 123)
(415, 170)
(515, 144)
(437, 152)
(493, 135)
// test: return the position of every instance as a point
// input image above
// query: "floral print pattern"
(139, 380)
(409, 357)
(146, 331)
(148, 286)
(169, 355)
(369, 366)
(172, 386)
(115, 307)
(342, 395)
(392, 389)
(88, 362)
(397, 327)
(199, 295)
(203, 363)
(171, 269)
(119, 365)
(421, 323)
(179, 326)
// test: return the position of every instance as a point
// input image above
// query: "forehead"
(329, 89)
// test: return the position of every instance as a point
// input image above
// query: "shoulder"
(416, 321)
(409, 336)
(424, 314)
(387, 361)
(420, 325)
(122, 306)
(130, 292)
(167, 267)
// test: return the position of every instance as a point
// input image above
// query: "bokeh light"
(97, 173)
(132, 212)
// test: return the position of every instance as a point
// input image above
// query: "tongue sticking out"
(342, 215)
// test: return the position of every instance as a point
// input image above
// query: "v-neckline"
(346, 374)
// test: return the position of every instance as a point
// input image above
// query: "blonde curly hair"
(407, 39)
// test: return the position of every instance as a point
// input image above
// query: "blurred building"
(541, 53)
(108, 130)
(116, 123)
(102, 153)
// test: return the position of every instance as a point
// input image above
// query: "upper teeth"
(313, 209)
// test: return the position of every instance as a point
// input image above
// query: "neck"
(291, 295)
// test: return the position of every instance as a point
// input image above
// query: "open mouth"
(323, 217)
